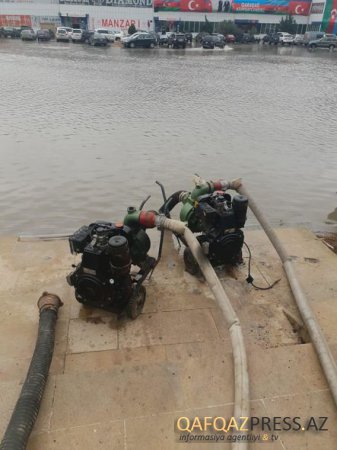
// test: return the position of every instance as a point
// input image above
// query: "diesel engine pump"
(104, 278)
(216, 216)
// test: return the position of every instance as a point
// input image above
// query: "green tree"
(228, 27)
(287, 25)
(132, 29)
(207, 26)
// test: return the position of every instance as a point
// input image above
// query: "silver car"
(28, 35)
(328, 41)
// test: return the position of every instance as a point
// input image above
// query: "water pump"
(216, 216)
(103, 278)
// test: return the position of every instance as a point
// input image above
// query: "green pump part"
(190, 201)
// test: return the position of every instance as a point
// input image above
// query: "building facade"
(183, 15)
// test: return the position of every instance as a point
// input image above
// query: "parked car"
(96, 38)
(62, 35)
(76, 35)
(164, 37)
(230, 38)
(177, 41)
(211, 41)
(189, 37)
(145, 40)
(329, 42)
(245, 38)
(286, 38)
(259, 37)
(10, 32)
(119, 34)
(299, 39)
(43, 35)
(108, 34)
(28, 35)
(312, 36)
(271, 39)
(86, 36)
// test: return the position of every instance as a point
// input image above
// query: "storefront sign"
(120, 3)
(15, 21)
(120, 23)
(294, 7)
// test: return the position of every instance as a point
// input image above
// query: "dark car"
(210, 41)
(245, 38)
(142, 40)
(177, 41)
(271, 39)
(86, 36)
(329, 42)
(189, 37)
(97, 39)
(9, 32)
(43, 35)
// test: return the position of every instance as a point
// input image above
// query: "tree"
(228, 27)
(207, 26)
(287, 25)
(132, 29)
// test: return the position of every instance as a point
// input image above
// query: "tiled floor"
(116, 384)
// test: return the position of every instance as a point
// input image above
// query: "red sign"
(120, 23)
(15, 21)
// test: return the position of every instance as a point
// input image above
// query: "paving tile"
(105, 360)
(92, 334)
(305, 405)
(102, 436)
(169, 298)
(284, 370)
(168, 328)
(24, 333)
(32, 255)
(154, 432)
(82, 398)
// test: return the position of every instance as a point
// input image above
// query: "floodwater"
(85, 132)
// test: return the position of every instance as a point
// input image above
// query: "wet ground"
(117, 384)
(85, 132)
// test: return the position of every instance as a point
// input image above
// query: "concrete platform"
(120, 384)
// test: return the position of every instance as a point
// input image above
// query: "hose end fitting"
(49, 301)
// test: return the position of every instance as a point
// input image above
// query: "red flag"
(196, 5)
(299, 8)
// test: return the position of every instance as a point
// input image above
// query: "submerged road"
(85, 132)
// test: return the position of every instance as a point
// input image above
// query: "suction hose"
(317, 337)
(241, 402)
(27, 407)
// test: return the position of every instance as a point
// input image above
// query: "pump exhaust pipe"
(27, 407)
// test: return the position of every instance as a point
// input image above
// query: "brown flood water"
(85, 132)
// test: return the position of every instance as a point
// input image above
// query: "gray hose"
(27, 407)
(241, 401)
(317, 337)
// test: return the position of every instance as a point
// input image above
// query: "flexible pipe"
(317, 337)
(27, 407)
(241, 398)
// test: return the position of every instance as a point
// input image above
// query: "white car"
(108, 34)
(286, 38)
(62, 35)
(118, 34)
(259, 37)
(76, 35)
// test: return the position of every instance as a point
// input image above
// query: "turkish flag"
(299, 8)
(196, 5)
